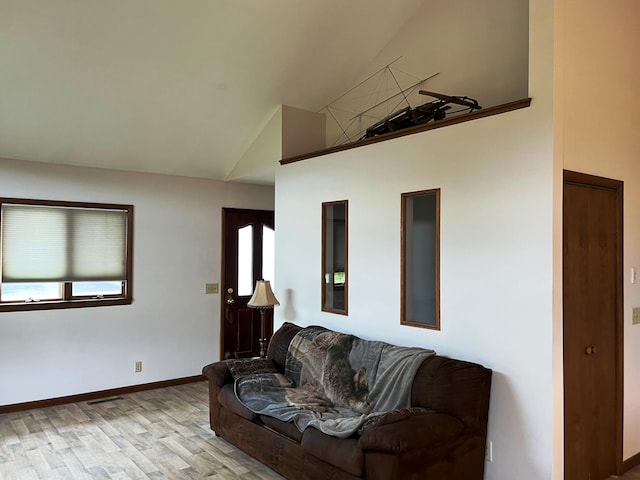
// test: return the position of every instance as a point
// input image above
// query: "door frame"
(222, 290)
(592, 181)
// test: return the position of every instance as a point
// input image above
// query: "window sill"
(61, 304)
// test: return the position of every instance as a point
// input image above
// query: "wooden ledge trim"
(485, 112)
(83, 397)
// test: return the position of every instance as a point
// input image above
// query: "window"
(64, 254)
(334, 257)
(420, 303)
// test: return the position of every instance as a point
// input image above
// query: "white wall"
(302, 131)
(604, 68)
(497, 242)
(171, 326)
(495, 261)
(496, 275)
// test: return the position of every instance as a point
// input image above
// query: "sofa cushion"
(428, 430)
(455, 387)
(391, 417)
(228, 400)
(343, 453)
(279, 344)
(288, 429)
(242, 367)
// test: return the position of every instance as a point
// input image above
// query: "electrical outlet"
(210, 288)
(488, 452)
(636, 316)
(138, 367)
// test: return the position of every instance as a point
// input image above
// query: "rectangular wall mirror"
(334, 257)
(420, 302)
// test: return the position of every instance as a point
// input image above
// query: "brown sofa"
(447, 443)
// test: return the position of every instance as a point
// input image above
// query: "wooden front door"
(247, 256)
(592, 282)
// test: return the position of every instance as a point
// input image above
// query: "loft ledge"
(485, 112)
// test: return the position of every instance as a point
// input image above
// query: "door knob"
(230, 300)
(590, 350)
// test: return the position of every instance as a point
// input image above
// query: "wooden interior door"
(247, 257)
(592, 282)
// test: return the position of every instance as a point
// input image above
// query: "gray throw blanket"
(334, 382)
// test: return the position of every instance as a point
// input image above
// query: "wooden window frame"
(68, 300)
(344, 311)
(403, 261)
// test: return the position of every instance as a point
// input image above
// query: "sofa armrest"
(218, 373)
(412, 433)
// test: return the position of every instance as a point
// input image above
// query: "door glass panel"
(268, 254)
(420, 259)
(245, 260)
(334, 257)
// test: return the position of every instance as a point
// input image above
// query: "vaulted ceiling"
(174, 87)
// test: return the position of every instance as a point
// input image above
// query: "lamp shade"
(263, 295)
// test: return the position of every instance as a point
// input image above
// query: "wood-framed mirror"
(335, 271)
(420, 264)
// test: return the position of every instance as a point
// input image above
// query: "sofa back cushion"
(279, 344)
(241, 367)
(442, 384)
(454, 387)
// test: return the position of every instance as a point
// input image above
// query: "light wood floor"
(157, 434)
(630, 475)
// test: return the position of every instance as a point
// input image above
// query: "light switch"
(636, 316)
(210, 288)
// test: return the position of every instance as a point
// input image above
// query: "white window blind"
(62, 244)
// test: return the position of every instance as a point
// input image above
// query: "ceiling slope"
(179, 88)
